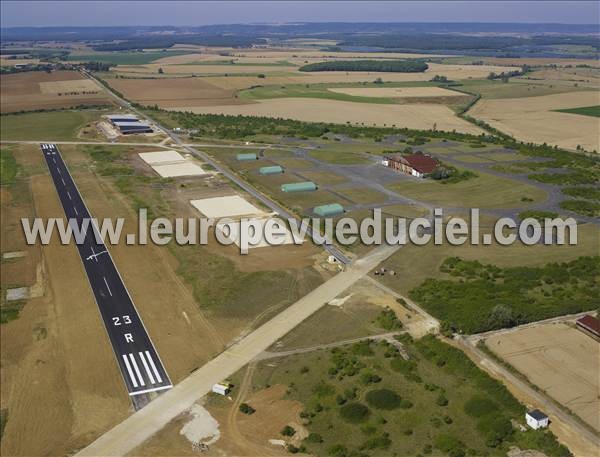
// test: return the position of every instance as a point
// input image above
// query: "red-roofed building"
(418, 165)
(589, 324)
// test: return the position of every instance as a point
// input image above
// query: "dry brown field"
(561, 360)
(40, 90)
(414, 116)
(533, 119)
(5, 62)
(181, 92)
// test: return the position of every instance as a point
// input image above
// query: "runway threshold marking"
(137, 370)
(131, 376)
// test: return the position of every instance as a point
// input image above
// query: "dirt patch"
(561, 360)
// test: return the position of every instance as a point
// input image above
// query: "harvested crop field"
(396, 92)
(559, 359)
(414, 116)
(534, 119)
(171, 92)
(38, 90)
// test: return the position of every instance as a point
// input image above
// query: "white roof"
(232, 205)
(161, 157)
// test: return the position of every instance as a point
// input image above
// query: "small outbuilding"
(244, 156)
(273, 170)
(589, 324)
(536, 419)
(299, 186)
(333, 209)
(221, 388)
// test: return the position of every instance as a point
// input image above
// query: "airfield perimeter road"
(144, 423)
(140, 365)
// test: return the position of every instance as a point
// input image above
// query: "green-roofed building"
(273, 170)
(299, 186)
(333, 209)
(247, 156)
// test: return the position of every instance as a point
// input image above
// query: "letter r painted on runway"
(128, 338)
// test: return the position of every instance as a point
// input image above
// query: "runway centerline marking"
(63, 181)
(76, 212)
(107, 286)
(69, 195)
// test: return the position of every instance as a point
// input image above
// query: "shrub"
(314, 438)
(495, 429)
(247, 409)
(388, 320)
(379, 442)
(383, 399)
(479, 406)
(370, 378)
(354, 412)
(450, 445)
(288, 431)
(337, 450)
(441, 400)
(322, 389)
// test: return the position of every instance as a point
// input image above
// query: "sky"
(110, 13)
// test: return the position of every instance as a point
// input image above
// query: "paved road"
(146, 422)
(140, 365)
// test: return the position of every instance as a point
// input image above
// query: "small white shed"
(536, 419)
(221, 388)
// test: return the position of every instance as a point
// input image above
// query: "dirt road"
(143, 424)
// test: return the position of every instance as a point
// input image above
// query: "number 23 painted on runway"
(117, 320)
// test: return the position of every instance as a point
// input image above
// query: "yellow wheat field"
(533, 119)
(414, 116)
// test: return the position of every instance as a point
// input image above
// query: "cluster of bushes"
(481, 297)
(395, 66)
(585, 207)
(451, 175)
(388, 320)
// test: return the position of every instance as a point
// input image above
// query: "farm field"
(593, 111)
(51, 126)
(397, 92)
(535, 119)
(181, 92)
(35, 90)
(559, 359)
(119, 58)
(414, 116)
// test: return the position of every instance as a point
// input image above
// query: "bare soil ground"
(561, 360)
(174, 92)
(414, 116)
(534, 119)
(36, 90)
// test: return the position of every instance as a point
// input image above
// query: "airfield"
(210, 311)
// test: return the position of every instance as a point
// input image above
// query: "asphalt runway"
(140, 365)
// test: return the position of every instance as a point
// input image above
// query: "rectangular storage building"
(299, 186)
(332, 209)
(122, 118)
(133, 127)
(274, 170)
(247, 156)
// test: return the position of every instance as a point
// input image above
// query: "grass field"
(51, 126)
(365, 398)
(339, 155)
(124, 58)
(483, 191)
(593, 111)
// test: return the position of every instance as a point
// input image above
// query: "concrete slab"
(229, 206)
(161, 157)
(177, 169)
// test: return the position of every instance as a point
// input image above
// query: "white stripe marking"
(76, 212)
(69, 195)
(137, 370)
(107, 286)
(63, 181)
(140, 392)
(131, 376)
(58, 169)
(53, 160)
(147, 368)
(156, 373)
